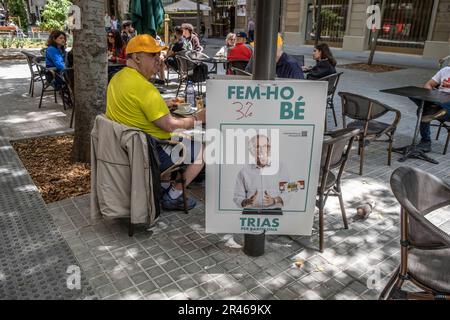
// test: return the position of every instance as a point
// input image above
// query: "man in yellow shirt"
(133, 101)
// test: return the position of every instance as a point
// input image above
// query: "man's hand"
(430, 85)
(268, 200)
(171, 103)
(201, 115)
(250, 201)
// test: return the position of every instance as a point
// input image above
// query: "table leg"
(412, 151)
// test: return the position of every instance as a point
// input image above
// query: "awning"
(185, 5)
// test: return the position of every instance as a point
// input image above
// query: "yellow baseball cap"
(279, 41)
(144, 43)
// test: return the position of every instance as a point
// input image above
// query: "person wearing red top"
(116, 48)
(241, 51)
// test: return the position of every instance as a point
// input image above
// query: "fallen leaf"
(299, 263)
(320, 269)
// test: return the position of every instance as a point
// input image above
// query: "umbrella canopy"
(148, 15)
(185, 5)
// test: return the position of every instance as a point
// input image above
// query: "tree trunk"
(91, 74)
(373, 44)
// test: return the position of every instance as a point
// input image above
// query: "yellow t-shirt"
(133, 101)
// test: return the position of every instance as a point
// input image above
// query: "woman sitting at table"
(116, 48)
(55, 54)
(192, 40)
(230, 42)
(176, 46)
(325, 63)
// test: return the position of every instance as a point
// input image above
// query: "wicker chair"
(425, 248)
(32, 61)
(335, 151)
(333, 80)
(186, 69)
(364, 111)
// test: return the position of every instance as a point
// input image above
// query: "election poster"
(263, 152)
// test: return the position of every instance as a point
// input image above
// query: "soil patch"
(48, 161)
(376, 68)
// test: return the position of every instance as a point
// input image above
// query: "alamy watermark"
(374, 20)
(73, 281)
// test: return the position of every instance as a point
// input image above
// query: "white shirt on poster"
(252, 179)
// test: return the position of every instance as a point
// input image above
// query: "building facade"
(409, 26)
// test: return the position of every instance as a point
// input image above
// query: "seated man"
(286, 66)
(241, 51)
(432, 112)
(133, 101)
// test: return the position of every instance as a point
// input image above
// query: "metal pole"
(199, 17)
(264, 68)
(267, 21)
(166, 29)
(319, 22)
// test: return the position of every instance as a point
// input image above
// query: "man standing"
(431, 112)
(114, 23)
(127, 32)
(133, 101)
(108, 24)
(251, 30)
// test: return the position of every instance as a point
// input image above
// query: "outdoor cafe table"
(214, 61)
(424, 95)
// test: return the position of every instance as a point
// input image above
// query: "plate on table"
(189, 112)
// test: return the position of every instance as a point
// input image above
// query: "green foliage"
(17, 8)
(332, 21)
(54, 15)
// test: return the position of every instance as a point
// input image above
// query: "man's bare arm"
(431, 84)
(170, 124)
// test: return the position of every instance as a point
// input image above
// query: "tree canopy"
(54, 16)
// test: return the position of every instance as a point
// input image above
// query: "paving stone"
(147, 287)
(163, 280)
(106, 291)
(122, 284)
(261, 293)
(139, 278)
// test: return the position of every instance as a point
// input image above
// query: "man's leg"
(425, 133)
(173, 198)
(447, 108)
(193, 169)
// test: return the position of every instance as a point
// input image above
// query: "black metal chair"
(445, 125)
(55, 82)
(364, 111)
(239, 72)
(333, 81)
(68, 75)
(237, 64)
(425, 248)
(335, 151)
(32, 61)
